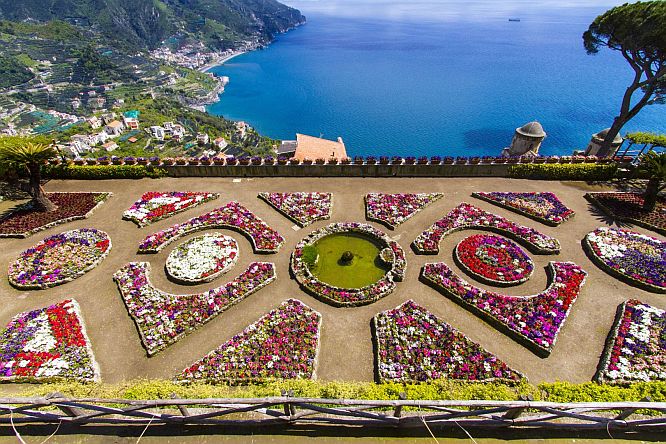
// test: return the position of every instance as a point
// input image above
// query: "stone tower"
(597, 139)
(526, 140)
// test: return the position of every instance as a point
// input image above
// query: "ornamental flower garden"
(493, 260)
(60, 258)
(543, 207)
(345, 265)
(301, 208)
(233, 216)
(466, 216)
(47, 344)
(154, 205)
(635, 258)
(413, 345)
(637, 349)
(282, 344)
(202, 259)
(394, 209)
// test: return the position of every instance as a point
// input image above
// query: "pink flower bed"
(535, 320)
(233, 216)
(154, 205)
(283, 344)
(636, 350)
(493, 260)
(163, 318)
(466, 216)
(394, 209)
(47, 344)
(413, 345)
(301, 208)
(543, 207)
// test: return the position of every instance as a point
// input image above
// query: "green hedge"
(556, 171)
(96, 172)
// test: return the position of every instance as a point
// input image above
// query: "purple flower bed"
(466, 216)
(154, 205)
(636, 350)
(47, 344)
(233, 216)
(282, 344)
(394, 209)
(543, 207)
(534, 320)
(413, 345)
(634, 258)
(59, 259)
(301, 208)
(163, 318)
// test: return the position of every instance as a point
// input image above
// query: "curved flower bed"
(466, 216)
(154, 205)
(60, 258)
(413, 345)
(349, 297)
(25, 221)
(534, 320)
(628, 207)
(634, 258)
(543, 207)
(163, 318)
(47, 344)
(493, 260)
(394, 209)
(636, 350)
(202, 259)
(233, 216)
(301, 208)
(282, 344)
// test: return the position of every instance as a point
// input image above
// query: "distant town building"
(157, 132)
(114, 128)
(131, 119)
(526, 140)
(108, 118)
(220, 143)
(594, 148)
(202, 138)
(110, 146)
(94, 122)
(312, 148)
(76, 103)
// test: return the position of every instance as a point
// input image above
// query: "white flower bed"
(202, 259)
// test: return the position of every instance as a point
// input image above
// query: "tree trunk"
(39, 199)
(651, 194)
(605, 149)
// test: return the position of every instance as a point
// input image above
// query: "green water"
(366, 268)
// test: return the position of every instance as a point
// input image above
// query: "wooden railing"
(287, 410)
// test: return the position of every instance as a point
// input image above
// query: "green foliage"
(310, 255)
(51, 30)
(99, 172)
(556, 171)
(25, 151)
(643, 138)
(653, 165)
(92, 66)
(13, 72)
(592, 392)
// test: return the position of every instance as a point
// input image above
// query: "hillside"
(146, 23)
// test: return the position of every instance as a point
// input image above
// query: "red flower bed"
(25, 221)
(629, 207)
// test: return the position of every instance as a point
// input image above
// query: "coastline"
(221, 61)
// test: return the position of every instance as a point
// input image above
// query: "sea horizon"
(392, 80)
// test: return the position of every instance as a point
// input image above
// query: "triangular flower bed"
(163, 318)
(469, 217)
(282, 344)
(636, 347)
(413, 345)
(394, 209)
(534, 320)
(47, 344)
(301, 208)
(233, 216)
(155, 205)
(544, 207)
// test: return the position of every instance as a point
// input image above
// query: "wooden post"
(67, 410)
(398, 409)
(624, 414)
(515, 413)
(184, 411)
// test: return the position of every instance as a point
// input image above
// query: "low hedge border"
(99, 172)
(578, 171)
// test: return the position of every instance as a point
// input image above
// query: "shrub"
(102, 172)
(555, 171)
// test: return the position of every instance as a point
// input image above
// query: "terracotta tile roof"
(316, 148)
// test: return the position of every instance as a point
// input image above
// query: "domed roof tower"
(526, 140)
(594, 147)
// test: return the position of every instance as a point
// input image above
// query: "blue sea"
(441, 77)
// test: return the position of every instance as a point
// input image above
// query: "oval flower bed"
(632, 257)
(60, 258)
(636, 350)
(534, 320)
(466, 216)
(349, 297)
(202, 259)
(493, 260)
(282, 344)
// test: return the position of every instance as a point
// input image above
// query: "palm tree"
(654, 166)
(29, 154)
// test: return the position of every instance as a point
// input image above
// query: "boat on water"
(514, 19)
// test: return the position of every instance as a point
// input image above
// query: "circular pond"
(202, 258)
(348, 264)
